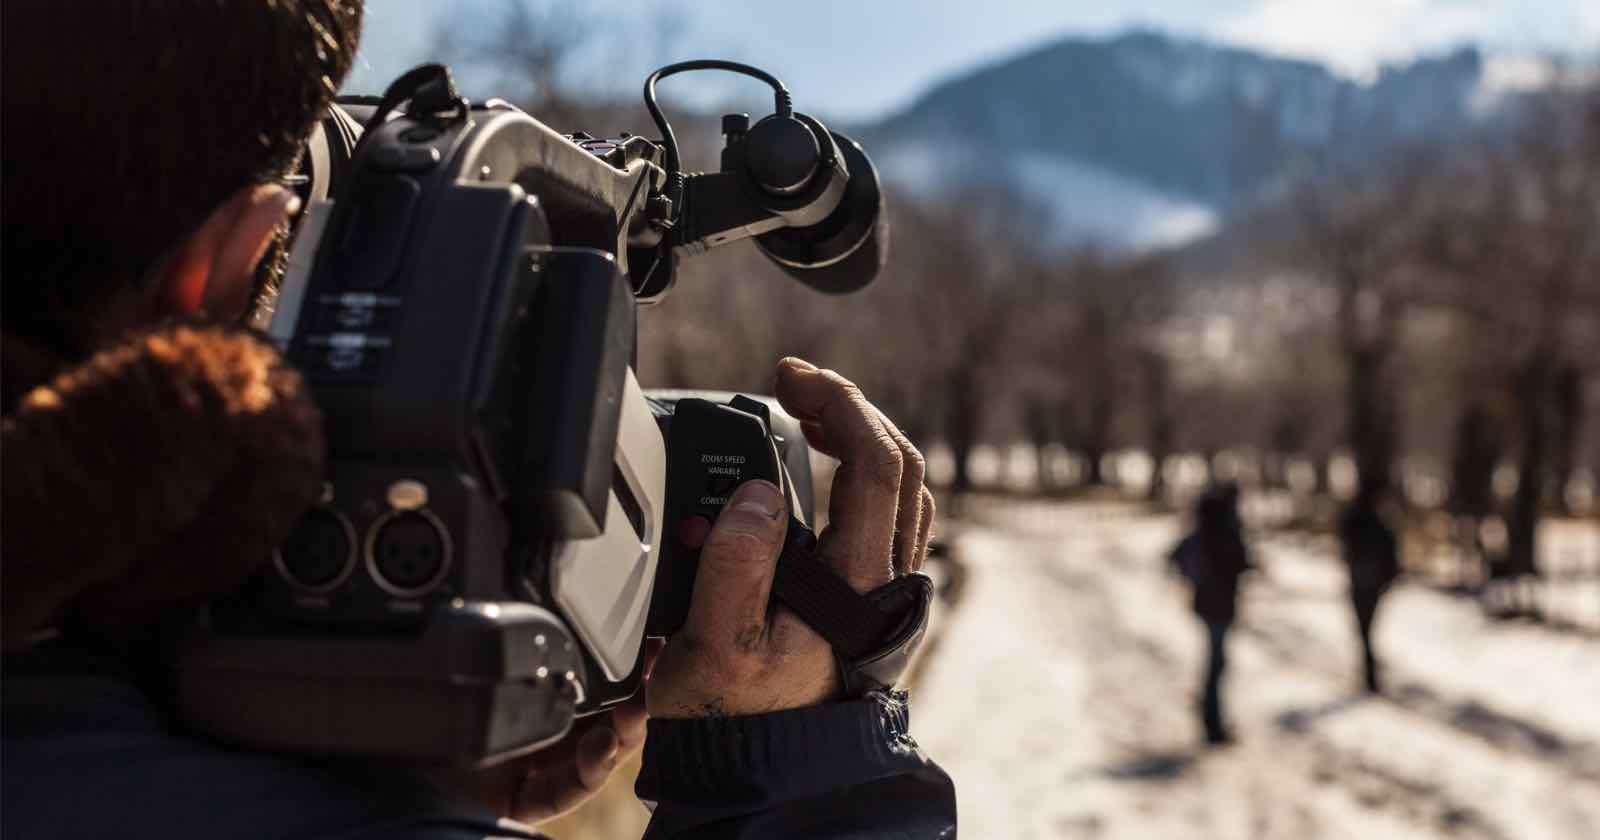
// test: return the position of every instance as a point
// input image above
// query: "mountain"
(1145, 140)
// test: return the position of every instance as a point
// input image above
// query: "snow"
(1095, 204)
(1185, 71)
(1088, 203)
(1060, 697)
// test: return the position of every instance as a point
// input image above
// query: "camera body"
(491, 544)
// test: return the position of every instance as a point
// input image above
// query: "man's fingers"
(598, 751)
(924, 530)
(729, 606)
(629, 717)
(818, 438)
(910, 515)
(825, 401)
(558, 778)
(908, 522)
(859, 541)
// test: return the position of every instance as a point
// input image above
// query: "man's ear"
(213, 271)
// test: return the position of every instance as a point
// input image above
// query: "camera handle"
(430, 90)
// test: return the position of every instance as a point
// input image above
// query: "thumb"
(729, 604)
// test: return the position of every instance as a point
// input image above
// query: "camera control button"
(421, 133)
(355, 312)
(396, 158)
(344, 359)
(692, 532)
(343, 355)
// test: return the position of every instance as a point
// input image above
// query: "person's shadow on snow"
(1298, 721)
(1150, 767)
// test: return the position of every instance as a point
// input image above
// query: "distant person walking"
(1212, 558)
(1372, 556)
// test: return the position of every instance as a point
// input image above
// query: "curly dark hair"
(164, 467)
(128, 121)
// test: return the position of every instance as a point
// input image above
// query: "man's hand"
(548, 783)
(735, 654)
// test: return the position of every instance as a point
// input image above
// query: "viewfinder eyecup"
(845, 251)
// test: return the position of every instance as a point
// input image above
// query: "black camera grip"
(848, 620)
(874, 634)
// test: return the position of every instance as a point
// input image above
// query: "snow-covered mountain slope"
(1145, 140)
(1083, 203)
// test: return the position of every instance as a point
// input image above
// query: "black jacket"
(1370, 551)
(1213, 560)
(90, 755)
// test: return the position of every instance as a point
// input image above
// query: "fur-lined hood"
(161, 469)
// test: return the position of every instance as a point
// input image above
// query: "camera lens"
(317, 554)
(409, 553)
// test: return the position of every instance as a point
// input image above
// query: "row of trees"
(1468, 278)
(1442, 307)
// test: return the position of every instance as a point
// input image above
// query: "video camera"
(506, 514)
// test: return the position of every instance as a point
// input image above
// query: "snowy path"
(1060, 697)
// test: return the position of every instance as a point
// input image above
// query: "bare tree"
(1520, 238)
(1568, 406)
(1156, 370)
(1360, 230)
(1092, 351)
(527, 48)
(977, 309)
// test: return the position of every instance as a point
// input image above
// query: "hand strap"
(873, 635)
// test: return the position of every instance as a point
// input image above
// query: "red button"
(692, 531)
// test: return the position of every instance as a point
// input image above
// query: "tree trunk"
(1158, 410)
(1289, 435)
(1522, 526)
(1477, 453)
(1569, 427)
(962, 419)
(1036, 416)
(1321, 486)
(1371, 421)
(1094, 454)
(1097, 437)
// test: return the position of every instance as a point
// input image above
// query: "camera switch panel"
(712, 448)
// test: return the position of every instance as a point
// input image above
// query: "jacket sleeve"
(840, 770)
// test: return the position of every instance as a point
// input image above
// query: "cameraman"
(154, 453)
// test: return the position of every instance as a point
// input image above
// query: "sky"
(866, 58)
